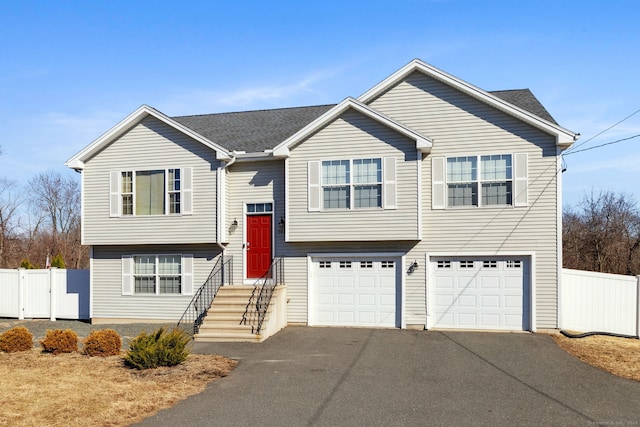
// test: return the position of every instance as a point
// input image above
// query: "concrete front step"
(222, 323)
(227, 337)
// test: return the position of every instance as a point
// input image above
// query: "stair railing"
(261, 296)
(221, 274)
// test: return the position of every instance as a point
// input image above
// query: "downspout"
(222, 194)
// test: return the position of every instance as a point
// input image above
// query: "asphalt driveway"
(356, 377)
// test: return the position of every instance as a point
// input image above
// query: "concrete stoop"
(224, 317)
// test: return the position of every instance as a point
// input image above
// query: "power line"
(571, 150)
(602, 145)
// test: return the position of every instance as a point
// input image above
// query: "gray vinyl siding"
(150, 145)
(461, 125)
(354, 136)
(253, 182)
(106, 286)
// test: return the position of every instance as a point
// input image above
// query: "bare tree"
(58, 198)
(9, 205)
(603, 234)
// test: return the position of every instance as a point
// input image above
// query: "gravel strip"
(39, 327)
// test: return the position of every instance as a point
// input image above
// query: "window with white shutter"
(352, 184)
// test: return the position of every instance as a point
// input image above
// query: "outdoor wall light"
(233, 226)
(413, 267)
(281, 224)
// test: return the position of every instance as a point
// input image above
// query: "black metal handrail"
(221, 274)
(261, 300)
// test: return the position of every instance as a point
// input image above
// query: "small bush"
(160, 348)
(102, 343)
(57, 261)
(60, 341)
(16, 339)
(27, 264)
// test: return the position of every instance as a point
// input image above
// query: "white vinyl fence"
(600, 302)
(44, 293)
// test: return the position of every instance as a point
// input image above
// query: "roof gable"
(516, 103)
(78, 160)
(282, 150)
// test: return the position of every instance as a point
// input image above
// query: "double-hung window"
(157, 274)
(367, 183)
(348, 184)
(352, 184)
(480, 180)
(151, 192)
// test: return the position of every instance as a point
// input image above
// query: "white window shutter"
(520, 180)
(187, 274)
(114, 194)
(127, 275)
(438, 183)
(314, 177)
(389, 183)
(186, 202)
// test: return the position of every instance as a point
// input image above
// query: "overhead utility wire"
(572, 149)
(601, 145)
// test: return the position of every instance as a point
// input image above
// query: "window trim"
(186, 275)
(519, 182)
(185, 192)
(477, 180)
(387, 185)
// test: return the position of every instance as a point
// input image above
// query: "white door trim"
(400, 273)
(532, 279)
(245, 279)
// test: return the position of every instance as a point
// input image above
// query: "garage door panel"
(479, 293)
(491, 320)
(490, 301)
(365, 300)
(492, 282)
(467, 319)
(467, 301)
(364, 293)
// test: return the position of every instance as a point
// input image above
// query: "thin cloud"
(304, 90)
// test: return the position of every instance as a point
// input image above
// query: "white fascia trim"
(423, 143)
(78, 160)
(564, 137)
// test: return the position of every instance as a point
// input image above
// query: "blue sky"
(71, 70)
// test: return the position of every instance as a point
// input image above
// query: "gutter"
(222, 193)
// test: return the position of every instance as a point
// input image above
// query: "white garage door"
(353, 291)
(480, 293)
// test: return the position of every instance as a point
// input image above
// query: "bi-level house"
(426, 202)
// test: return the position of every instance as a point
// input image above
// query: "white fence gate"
(51, 293)
(600, 302)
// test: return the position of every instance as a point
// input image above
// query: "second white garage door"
(480, 293)
(353, 291)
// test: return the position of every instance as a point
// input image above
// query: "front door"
(258, 245)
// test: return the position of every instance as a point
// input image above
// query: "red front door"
(258, 245)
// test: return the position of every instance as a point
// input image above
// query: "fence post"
(21, 293)
(638, 306)
(52, 293)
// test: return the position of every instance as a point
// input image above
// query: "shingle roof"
(260, 130)
(526, 100)
(253, 131)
